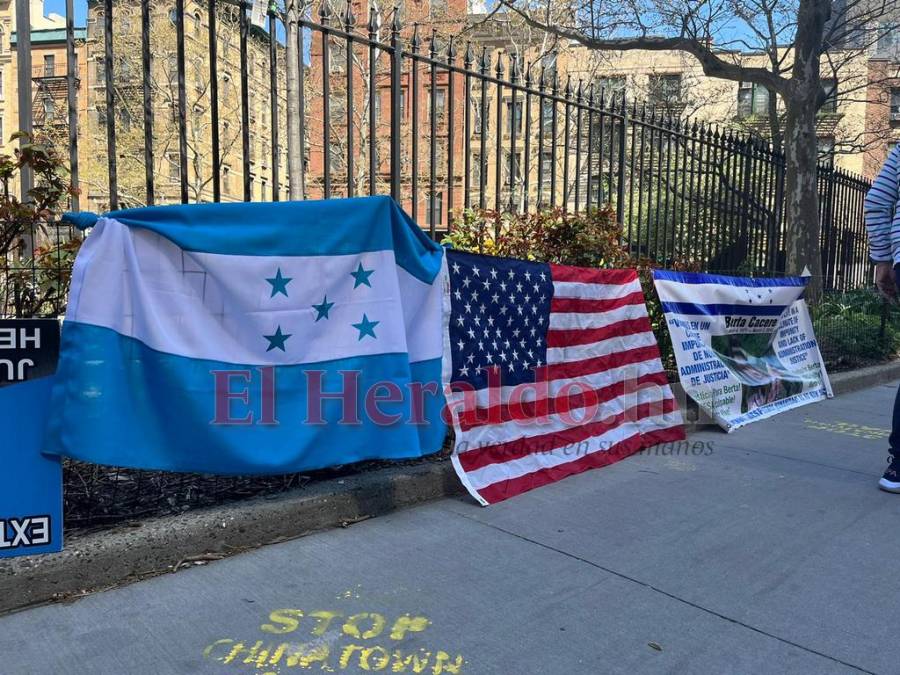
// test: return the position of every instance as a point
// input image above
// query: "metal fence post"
(620, 193)
(23, 56)
(396, 103)
(71, 77)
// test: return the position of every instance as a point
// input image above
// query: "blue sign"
(30, 483)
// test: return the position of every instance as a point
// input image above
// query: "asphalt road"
(769, 550)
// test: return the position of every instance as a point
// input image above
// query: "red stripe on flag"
(570, 337)
(593, 305)
(668, 435)
(522, 447)
(497, 492)
(591, 276)
(548, 406)
(572, 369)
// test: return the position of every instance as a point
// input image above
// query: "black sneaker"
(890, 482)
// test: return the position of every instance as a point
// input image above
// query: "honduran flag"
(251, 338)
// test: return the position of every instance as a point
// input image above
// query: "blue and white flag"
(252, 338)
(745, 348)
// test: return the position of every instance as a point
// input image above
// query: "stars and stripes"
(552, 370)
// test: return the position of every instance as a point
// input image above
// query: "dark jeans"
(895, 428)
(894, 440)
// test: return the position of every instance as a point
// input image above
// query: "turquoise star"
(277, 341)
(279, 284)
(323, 308)
(362, 276)
(366, 327)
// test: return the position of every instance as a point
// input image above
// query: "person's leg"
(891, 479)
(894, 439)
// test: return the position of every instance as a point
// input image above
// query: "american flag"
(550, 370)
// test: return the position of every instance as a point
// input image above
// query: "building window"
(610, 88)
(438, 9)
(830, 105)
(546, 169)
(197, 24)
(664, 91)
(548, 62)
(753, 99)
(226, 179)
(547, 116)
(2, 89)
(49, 65)
(476, 171)
(888, 39)
(513, 165)
(124, 118)
(337, 107)
(514, 117)
(174, 166)
(437, 212)
(100, 70)
(440, 103)
(338, 56)
(895, 106)
(49, 106)
(826, 150)
(481, 115)
(2, 131)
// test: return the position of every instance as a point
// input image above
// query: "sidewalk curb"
(124, 554)
(112, 557)
(854, 380)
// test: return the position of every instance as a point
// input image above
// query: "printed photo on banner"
(745, 348)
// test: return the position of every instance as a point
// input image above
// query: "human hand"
(884, 280)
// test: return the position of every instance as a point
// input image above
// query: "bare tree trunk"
(294, 123)
(801, 147)
(802, 195)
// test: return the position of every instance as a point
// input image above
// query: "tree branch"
(713, 65)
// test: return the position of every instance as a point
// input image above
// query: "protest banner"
(745, 348)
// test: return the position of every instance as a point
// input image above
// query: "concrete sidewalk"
(766, 551)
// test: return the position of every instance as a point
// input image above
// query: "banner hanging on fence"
(550, 371)
(252, 339)
(745, 348)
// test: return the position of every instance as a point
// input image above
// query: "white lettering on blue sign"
(18, 338)
(24, 532)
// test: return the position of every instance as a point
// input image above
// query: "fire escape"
(50, 103)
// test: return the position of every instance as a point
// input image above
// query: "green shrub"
(849, 328)
(35, 285)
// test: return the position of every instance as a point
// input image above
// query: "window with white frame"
(437, 212)
(753, 100)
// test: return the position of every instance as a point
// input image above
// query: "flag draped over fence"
(252, 338)
(549, 371)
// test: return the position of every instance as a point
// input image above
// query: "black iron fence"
(187, 101)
